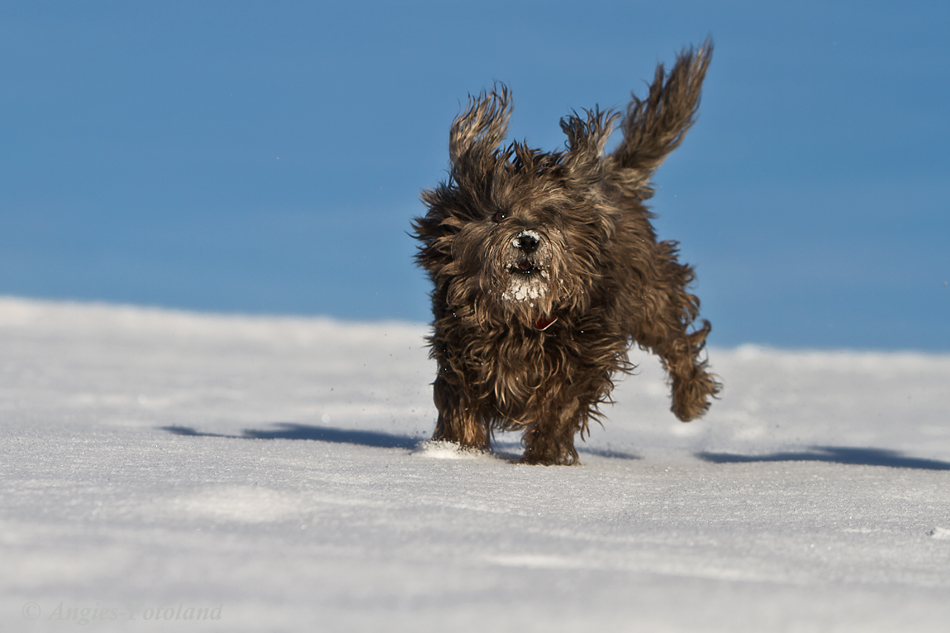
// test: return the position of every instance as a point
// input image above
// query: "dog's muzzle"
(526, 258)
(526, 254)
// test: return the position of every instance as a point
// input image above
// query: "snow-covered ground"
(268, 474)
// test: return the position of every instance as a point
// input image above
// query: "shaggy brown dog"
(546, 268)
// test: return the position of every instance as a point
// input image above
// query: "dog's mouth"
(527, 281)
(525, 268)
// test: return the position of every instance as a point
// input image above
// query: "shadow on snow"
(378, 439)
(291, 431)
(834, 454)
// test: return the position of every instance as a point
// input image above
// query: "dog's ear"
(482, 126)
(655, 126)
(587, 136)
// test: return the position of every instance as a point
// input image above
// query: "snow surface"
(273, 473)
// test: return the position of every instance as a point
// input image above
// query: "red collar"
(544, 323)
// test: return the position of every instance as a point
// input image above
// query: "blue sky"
(266, 157)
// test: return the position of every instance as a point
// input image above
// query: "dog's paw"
(551, 458)
(692, 397)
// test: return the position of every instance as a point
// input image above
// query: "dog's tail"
(655, 126)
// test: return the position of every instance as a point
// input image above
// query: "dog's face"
(517, 233)
(531, 252)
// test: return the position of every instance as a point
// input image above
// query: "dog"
(546, 269)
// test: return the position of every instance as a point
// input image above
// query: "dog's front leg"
(549, 440)
(459, 421)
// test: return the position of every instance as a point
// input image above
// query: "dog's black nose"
(527, 243)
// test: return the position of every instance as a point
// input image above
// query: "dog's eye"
(498, 217)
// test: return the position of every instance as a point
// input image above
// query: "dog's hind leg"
(692, 384)
(459, 421)
(669, 311)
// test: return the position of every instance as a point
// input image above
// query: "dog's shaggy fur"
(546, 268)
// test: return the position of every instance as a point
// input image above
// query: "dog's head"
(516, 232)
